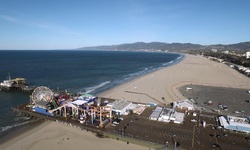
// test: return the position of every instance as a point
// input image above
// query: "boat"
(7, 84)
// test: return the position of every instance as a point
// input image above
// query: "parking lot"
(235, 99)
(189, 135)
(192, 134)
(142, 128)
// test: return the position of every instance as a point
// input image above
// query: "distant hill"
(154, 46)
(237, 46)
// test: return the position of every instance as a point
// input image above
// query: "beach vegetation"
(232, 58)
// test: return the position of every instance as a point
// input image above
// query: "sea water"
(73, 70)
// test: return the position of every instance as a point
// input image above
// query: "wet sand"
(161, 86)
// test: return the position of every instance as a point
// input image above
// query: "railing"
(89, 127)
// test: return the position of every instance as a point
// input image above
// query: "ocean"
(73, 70)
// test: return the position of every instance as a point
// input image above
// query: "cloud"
(9, 19)
(42, 25)
(23, 22)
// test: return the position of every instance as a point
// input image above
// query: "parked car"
(193, 120)
(116, 123)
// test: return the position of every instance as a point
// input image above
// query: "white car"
(113, 125)
(237, 112)
(193, 120)
(116, 123)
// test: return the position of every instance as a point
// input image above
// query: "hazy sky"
(65, 24)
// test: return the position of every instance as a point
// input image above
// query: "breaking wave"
(21, 118)
(93, 88)
(2, 129)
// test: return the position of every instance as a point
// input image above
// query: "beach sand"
(162, 86)
(55, 135)
(149, 88)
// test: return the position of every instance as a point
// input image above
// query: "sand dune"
(164, 82)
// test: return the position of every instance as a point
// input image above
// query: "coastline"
(161, 86)
(130, 80)
(21, 133)
(5, 136)
(148, 88)
(128, 77)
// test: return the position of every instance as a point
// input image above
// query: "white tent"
(79, 102)
(185, 104)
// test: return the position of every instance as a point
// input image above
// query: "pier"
(16, 84)
(19, 88)
(68, 121)
(106, 132)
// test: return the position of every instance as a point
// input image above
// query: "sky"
(69, 24)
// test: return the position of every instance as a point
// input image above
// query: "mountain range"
(154, 46)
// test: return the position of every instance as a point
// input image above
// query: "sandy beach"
(165, 82)
(148, 88)
(54, 135)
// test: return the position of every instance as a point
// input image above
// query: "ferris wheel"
(42, 93)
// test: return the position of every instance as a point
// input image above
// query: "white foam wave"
(2, 129)
(134, 75)
(5, 128)
(180, 57)
(138, 73)
(168, 63)
(93, 88)
(21, 118)
(150, 69)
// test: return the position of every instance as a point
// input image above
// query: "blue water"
(74, 70)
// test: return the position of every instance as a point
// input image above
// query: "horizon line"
(79, 48)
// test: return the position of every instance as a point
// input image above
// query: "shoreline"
(161, 66)
(31, 128)
(151, 87)
(121, 86)
(21, 133)
(176, 61)
(161, 86)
